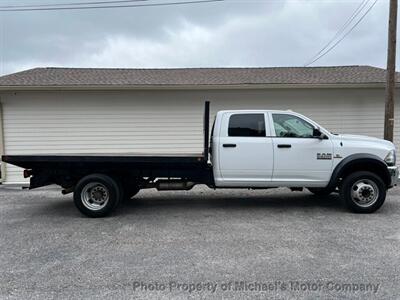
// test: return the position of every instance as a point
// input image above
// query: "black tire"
(320, 191)
(360, 182)
(94, 189)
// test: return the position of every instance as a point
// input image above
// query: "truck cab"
(271, 148)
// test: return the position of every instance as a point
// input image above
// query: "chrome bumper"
(394, 175)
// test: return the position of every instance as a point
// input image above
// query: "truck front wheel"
(363, 192)
(97, 195)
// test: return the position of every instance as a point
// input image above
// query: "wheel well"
(373, 166)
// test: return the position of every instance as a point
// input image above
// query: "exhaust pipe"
(174, 185)
(67, 191)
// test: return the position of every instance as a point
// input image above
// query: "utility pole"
(391, 72)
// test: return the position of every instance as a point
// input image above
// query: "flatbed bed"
(29, 161)
(66, 169)
(51, 168)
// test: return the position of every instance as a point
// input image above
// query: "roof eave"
(190, 87)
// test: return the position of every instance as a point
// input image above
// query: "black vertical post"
(206, 129)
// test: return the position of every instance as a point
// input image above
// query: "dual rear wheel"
(97, 195)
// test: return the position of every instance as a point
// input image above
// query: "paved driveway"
(271, 244)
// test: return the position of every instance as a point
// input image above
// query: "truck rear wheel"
(363, 192)
(97, 195)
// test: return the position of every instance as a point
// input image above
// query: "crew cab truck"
(251, 149)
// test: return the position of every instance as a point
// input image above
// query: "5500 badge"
(324, 155)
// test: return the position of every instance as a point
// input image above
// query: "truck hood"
(364, 138)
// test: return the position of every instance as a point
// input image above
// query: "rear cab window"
(247, 125)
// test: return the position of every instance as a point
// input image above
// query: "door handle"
(229, 145)
(284, 146)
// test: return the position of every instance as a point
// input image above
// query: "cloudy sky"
(230, 33)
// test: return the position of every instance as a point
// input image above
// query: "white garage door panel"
(164, 121)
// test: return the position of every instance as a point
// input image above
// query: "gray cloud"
(232, 33)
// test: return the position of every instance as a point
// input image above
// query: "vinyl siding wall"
(164, 121)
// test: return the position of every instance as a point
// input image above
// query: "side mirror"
(318, 134)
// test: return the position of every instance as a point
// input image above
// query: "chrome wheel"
(95, 196)
(364, 192)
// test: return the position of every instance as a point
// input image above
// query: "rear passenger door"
(245, 149)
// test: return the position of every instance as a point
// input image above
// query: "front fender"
(360, 162)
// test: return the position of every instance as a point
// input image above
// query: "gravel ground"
(272, 244)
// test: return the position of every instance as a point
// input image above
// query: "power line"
(69, 4)
(110, 6)
(353, 16)
(344, 36)
(342, 29)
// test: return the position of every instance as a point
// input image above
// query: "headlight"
(390, 158)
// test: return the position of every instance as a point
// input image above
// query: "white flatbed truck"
(251, 149)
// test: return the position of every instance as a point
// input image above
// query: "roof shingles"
(81, 77)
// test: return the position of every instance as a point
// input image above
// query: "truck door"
(245, 150)
(300, 158)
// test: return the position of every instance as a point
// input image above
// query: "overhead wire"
(69, 4)
(110, 6)
(344, 36)
(355, 13)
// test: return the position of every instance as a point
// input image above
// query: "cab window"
(247, 125)
(291, 126)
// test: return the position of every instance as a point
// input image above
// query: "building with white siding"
(67, 110)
